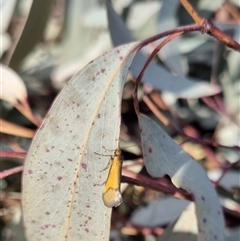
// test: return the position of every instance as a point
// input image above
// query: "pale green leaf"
(13, 89)
(31, 34)
(156, 75)
(164, 157)
(184, 228)
(63, 173)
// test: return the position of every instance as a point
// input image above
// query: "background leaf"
(184, 228)
(156, 75)
(170, 52)
(36, 23)
(164, 157)
(17, 95)
(9, 79)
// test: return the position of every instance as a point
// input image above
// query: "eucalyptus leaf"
(156, 75)
(167, 19)
(63, 173)
(164, 157)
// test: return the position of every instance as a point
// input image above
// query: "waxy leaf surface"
(63, 174)
(164, 157)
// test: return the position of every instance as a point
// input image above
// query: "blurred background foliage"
(46, 42)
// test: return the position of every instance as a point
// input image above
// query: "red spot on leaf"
(84, 166)
(30, 171)
(59, 178)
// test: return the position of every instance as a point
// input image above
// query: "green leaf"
(163, 156)
(63, 177)
(156, 75)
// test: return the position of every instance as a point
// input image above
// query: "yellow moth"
(111, 194)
